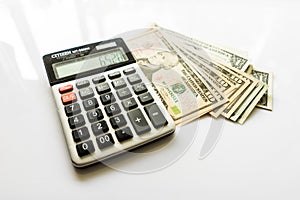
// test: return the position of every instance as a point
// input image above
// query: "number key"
(72, 109)
(107, 98)
(77, 121)
(117, 121)
(112, 109)
(95, 115)
(85, 148)
(80, 134)
(99, 128)
(105, 141)
(90, 104)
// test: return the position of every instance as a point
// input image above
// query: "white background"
(258, 160)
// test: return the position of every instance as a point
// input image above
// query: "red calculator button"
(68, 98)
(66, 88)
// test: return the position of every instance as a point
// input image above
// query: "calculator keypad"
(111, 110)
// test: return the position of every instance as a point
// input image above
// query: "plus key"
(138, 121)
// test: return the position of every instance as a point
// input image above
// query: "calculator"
(105, 103)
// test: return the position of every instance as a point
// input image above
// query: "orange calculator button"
(66, 88)
(68, 98)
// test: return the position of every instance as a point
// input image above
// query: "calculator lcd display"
(90, 62)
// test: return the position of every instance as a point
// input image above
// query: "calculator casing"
(118, 147)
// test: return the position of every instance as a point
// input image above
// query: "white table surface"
(258, 160)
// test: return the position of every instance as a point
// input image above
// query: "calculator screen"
(89, 62)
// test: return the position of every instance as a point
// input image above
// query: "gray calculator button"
(105, 141)
(129, 104)
(117, 121)
(123, 134)
(82, 84)
(72, 109)
(114, 75)
(138, 121)
(80, 134)
(90, 104)
(145, 98)
(102, 88)
(119, 83)
(139, 88)
(157, 118)
(99, 128)
(98, 79)
(133, 79)
(124, 93)
(86, 93)
(112, 109)
(107, 98)
(85, 148)
(76, 121)
(95, 115)
(128, 71)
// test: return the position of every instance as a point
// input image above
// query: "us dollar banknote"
(227, 57)
(267, 78)
(184, 93)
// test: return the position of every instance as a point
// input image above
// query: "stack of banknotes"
(194, 78)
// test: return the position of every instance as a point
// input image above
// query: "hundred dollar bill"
(183, 93)
(266, 77)
(218, 54)
(250, 108)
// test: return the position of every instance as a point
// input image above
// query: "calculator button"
(72, 109)
(128, 71)
(138, 121)
(107, 98)
(133, 79)
(86, 93)
(114, 75)
(98, 79)
(145, 98)
(80, 134)
(139, 88)
(95, 115)
(85, 148)
(103, 88)
(99, 128)
(82, 84)
(157, 118)
(66, 88)
(105, 141)
(117, 121)
(112, 109)
(119, 83)
(129, 104)
(77, 121)
(124, 93)
(123, 134)
(90, 104)
(68, 98)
